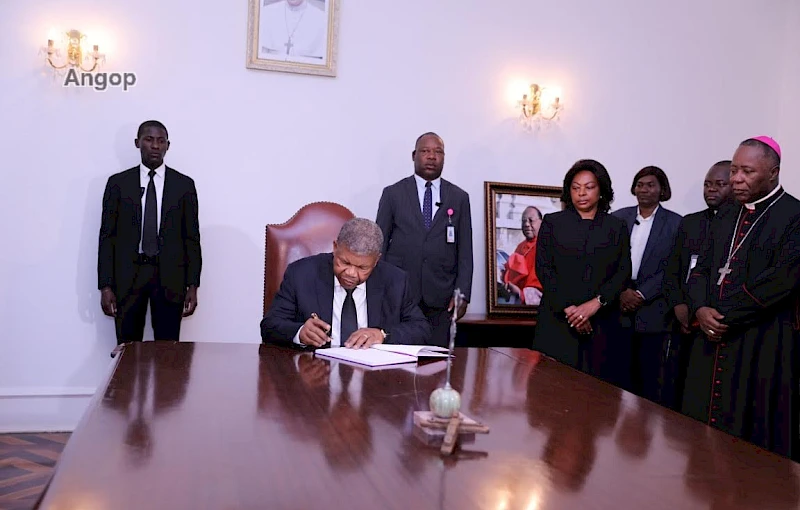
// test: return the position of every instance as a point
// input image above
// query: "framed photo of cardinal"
(293, 36)
(514, 213)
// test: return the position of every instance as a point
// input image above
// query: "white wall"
(789, 123)
(676, 84)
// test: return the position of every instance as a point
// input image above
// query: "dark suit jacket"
(692, 240)
(180, 259)
(307, 288)
(653, 316)
(435, 268)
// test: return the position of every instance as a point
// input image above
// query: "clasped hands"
(709, 323)
(630, 301)
(578, 316)
(314, 333)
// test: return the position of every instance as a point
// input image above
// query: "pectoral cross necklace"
(289, 45)
(725, 270)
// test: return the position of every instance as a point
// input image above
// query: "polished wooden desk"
(480, 330)
(242, 426)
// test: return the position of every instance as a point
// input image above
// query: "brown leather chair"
(310, 231)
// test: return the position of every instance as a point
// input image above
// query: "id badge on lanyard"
(451, 229)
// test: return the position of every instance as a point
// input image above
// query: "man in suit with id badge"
(690, 243)
(427, 227)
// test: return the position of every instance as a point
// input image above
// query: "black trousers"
(166, 315)
(439, 319)
(675, 371)
(649, 374)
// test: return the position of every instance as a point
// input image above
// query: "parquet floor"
(26, 463)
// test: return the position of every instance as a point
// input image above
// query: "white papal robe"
(292, 33)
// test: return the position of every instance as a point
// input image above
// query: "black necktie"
(150, 225)
(349, 322)
(427, 206)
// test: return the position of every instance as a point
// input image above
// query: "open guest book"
(383, 354)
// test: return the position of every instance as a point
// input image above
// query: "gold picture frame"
(505, 204)
(293, 36)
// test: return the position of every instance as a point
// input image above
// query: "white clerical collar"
(649, 218)
(146, 171)
(434, 183)
(297, 8)
(752, 205)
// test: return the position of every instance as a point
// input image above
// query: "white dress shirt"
(158, 182)
(639, 236)
(436, 194)
(339, 294)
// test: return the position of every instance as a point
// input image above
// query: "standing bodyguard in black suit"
(427, 228)
(149, 243)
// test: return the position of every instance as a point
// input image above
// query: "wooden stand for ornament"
(435, 431)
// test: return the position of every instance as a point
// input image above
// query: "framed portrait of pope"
(293, 36)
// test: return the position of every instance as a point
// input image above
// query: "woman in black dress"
(583, 261)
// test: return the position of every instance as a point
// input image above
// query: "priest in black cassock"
(693, 233)
(743, 368)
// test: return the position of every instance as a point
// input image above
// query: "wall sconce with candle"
(76, 56)
(540, 106)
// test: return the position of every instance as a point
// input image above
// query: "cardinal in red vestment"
(519, 273)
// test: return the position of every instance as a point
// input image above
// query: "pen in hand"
(327, 328)
(315, 332)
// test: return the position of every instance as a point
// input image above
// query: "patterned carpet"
(26, 463)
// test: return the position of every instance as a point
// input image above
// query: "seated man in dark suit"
(346, 298)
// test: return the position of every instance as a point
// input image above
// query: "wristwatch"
(602, 301)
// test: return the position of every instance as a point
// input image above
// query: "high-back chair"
(310, 231)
